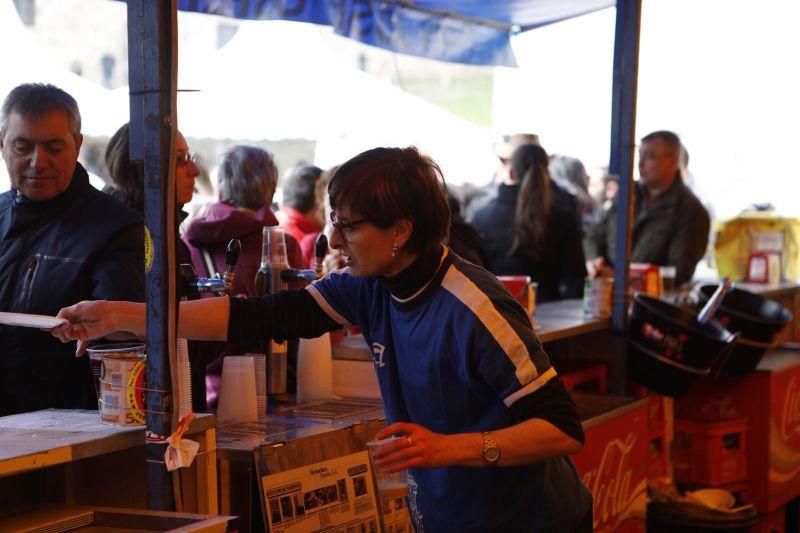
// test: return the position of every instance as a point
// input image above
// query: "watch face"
(491, 454)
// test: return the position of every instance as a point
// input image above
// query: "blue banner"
(475, 32)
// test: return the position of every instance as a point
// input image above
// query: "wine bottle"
(261, 283)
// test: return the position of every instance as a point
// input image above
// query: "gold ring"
(408, 440)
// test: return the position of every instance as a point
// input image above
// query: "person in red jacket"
(301, 211)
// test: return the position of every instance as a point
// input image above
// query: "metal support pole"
(152, 27)
(623, 143)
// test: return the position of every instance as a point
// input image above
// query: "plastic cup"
(314, 369)
(237, 395)
(97, 352)
(667, 275)
(597, 296)
(391, 485)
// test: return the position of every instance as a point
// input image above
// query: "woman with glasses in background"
(486, 424)
(127, 186)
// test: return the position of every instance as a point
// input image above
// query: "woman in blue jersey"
(487, 424)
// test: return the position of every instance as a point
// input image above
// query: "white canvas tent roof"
(277, 80)
(101, 114)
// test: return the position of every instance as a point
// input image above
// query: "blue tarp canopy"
(461, 31)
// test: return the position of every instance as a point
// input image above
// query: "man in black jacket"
(670, 225)
(61, 241)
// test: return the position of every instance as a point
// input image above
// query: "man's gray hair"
(247, 177)
(36, 100)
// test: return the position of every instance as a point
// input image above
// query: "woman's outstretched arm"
(205, 319)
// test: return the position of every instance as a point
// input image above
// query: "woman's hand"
(89, 320)
(421, 447)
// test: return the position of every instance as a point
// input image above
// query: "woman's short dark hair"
(299, 187)
(128, 183)
(388, 184)
(247, 177)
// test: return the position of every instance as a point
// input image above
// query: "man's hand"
(598, 268)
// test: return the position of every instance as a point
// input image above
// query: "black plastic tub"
(757, 319)
(669, 349)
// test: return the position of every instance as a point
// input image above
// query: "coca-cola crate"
(613, 463)
(588, 376)
(658, 457)
(774, 522)
(657, 409)
(770, 399)
(710, 453)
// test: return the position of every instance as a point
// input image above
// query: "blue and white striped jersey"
(460, 356)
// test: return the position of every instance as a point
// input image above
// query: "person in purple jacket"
(247, 178)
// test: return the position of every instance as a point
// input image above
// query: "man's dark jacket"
(80, 245)
(672, 229)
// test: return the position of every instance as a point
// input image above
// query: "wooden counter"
(69, 456)
(563, 319)
(236, 442)
(31, 441)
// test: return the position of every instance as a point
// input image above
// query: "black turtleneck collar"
(412, 278)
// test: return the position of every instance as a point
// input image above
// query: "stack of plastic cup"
(314, 369)
(237, 397)
(184, 379)
(260, 361)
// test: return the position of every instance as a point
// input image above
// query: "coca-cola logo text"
(611, 482)
(790, 419)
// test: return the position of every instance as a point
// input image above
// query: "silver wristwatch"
(491, 453)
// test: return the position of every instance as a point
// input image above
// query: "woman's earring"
(394, 249)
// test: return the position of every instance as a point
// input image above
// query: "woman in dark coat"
(525, 233)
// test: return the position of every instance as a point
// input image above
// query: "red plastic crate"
(588, 376)
(710, 453)
(656, 415)
(657, 457)
(774, 522)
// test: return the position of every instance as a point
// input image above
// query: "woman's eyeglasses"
(342, 226)
(183, 160)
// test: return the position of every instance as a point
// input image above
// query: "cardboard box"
(644, 277)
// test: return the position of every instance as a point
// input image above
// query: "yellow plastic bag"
(752, 232)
